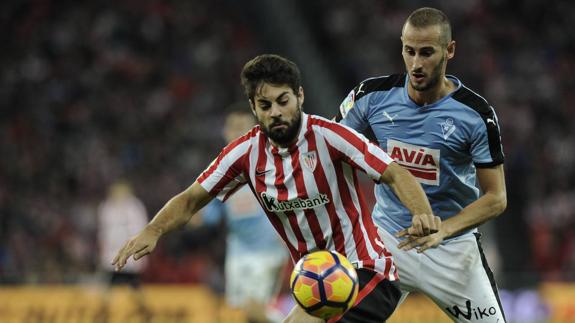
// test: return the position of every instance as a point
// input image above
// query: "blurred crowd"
(92, 91)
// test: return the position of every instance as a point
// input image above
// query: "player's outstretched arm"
(410, 193)
(492, 203)
(174, 214)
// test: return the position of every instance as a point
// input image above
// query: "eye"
(410, 51)
(426, 53)
(283, 102)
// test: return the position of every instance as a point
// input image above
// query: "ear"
(451, 49)
(253, 107)
(300, 94)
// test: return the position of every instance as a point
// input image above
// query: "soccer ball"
(324, 284)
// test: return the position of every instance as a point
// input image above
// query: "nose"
(416, 64)
(275, 111)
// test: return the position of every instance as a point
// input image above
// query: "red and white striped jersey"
(310, 190)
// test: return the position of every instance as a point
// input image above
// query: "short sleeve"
(353, 110)
(486, 148)
(226, 173)
(357, 150)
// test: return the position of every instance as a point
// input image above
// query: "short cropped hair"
(425, 17)
(272, 69)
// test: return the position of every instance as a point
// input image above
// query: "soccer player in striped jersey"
(302, 169)
(448, 137)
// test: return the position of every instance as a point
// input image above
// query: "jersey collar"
(410, 102)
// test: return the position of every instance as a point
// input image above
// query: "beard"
(433, 78)
(283, 136)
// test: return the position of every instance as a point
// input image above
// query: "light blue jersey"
(441, 144)
(249, 230)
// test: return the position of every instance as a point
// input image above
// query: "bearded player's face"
(278, 110)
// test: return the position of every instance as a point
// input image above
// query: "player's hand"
(420, 243)
(422, 225)
(139, 246)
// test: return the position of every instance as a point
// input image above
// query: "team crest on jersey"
(422, 162)
(309, 160)
(447, 128)
(347, 104)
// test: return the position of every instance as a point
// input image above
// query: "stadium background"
(91, 91)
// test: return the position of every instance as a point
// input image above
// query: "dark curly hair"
(272, 69)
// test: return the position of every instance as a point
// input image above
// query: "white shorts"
(454, 275)
(253, 277)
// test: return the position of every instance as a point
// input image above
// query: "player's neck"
(283, 145)
(432, 95)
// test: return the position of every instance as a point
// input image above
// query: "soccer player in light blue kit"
(255, 255)
(448, 137)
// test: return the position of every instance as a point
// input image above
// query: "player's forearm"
(409, 191)
(487, 207)
(178, 210)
